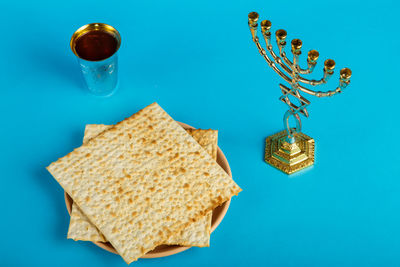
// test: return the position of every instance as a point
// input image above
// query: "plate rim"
(175, 248)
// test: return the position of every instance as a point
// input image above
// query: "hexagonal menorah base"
(287, 157)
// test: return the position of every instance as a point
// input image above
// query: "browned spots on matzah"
(132, 246)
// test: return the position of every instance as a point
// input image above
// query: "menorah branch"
(265, 29)
(311, 62)
(320, 93)
(344, 81)
(252, 22)
(279, 60)
(311, 59)
(281, 42)
(329, 67)
(293, 69)
(311, 82)
(270, 62)
(291, 150)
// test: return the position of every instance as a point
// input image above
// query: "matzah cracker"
(208, 139)
(196, 234)
(175, 181)
(80, 227)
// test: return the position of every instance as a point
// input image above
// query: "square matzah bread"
(175, 181)
(196, 234)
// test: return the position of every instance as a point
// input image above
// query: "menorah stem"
(291, 132)
(302, 109)
(291, 150)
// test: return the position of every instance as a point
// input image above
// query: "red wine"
(96, 45)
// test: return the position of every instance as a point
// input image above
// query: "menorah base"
(287, 157)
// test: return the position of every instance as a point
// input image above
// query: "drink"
(96, 45)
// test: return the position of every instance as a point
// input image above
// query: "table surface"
(197, 60)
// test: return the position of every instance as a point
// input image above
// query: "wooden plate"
(167, 250)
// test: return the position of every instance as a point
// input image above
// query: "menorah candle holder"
(290, 150)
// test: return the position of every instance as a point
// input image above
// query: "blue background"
(196, 59)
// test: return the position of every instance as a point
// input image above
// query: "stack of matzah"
(142, 183)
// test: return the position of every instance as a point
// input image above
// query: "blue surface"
(197, 60)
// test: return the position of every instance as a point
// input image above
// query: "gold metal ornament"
(290, 150)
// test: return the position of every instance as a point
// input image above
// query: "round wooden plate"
(167, 250)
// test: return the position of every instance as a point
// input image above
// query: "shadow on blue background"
(50, 58)
(197, 60)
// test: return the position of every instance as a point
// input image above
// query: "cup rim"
(94, 27)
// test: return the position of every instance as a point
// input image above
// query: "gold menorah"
(290, 150)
